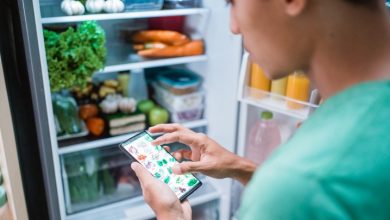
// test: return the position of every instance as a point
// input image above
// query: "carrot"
(166, 37)
(192, 48)
(95, 126)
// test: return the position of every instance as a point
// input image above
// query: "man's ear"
(295, 7)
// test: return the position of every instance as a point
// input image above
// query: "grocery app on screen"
(159, 163)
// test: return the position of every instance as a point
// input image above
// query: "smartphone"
(159, 163)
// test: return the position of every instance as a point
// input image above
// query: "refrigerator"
(89, 178)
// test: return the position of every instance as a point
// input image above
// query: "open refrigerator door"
(270, 113)
(12, 200)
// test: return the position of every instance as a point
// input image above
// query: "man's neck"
(354, 49)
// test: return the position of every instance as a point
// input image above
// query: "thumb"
(142, 174)
(188, 167)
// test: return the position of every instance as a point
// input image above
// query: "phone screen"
(159, 163)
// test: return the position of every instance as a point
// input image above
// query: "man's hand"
(206, 155)
(160, 197)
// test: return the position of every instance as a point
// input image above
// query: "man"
(337, 164)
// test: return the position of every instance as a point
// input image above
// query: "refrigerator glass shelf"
(277, 103)
(85, 143)
(133, 61)
(137, 209)
(51, 14)
(122, 57)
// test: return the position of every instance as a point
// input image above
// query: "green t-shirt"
(336, 166)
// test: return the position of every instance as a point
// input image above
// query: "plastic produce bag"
(66, 114)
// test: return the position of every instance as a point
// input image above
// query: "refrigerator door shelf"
(270, 101)
(277, 103)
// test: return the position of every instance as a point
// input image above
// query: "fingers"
(189, 167)
(167, 148)
(187, 138)
(186, 209)
(165, 128)
(182, 154)
(178, 156)
(143, 175)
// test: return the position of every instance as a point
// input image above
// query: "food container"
(174, 4)
(143, 5)
(183, 115)
(178, 102)
(186, 115)
(179, 81)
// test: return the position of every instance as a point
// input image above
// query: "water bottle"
(263, 138)
(138, 88)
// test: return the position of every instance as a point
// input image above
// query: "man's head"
(282, 35)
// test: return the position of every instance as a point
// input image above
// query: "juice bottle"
(298, 87)
(279, 86)
(124, 79)
(263, 138)
(258, 81)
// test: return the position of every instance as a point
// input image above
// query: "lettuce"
(74, 55)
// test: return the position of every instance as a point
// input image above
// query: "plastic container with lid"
(186, 115)
(178, 102)
(174, 4)
(179, 81)
(182, 115)
(143, 5)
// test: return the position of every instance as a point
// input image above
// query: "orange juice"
(279, 86)
(298, 87)
(258, 81)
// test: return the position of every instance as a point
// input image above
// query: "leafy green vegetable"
(74, 55)
(83, 187)
(108, 182)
